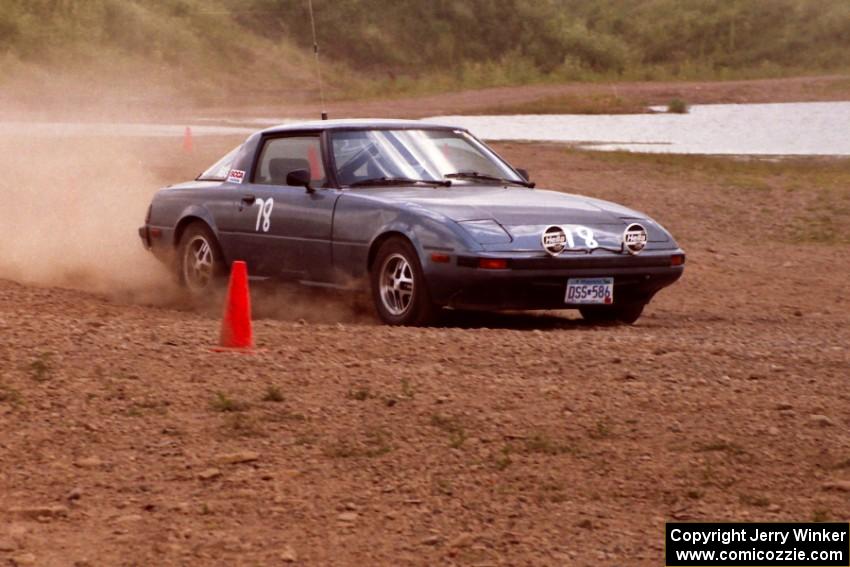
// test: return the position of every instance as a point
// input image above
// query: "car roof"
(356, 124)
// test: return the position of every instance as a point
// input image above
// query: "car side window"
(219, 170)
(280, 156)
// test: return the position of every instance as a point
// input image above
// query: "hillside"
(574, 39)
(212, 49)
(136, 49)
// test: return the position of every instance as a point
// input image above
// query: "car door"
(285, 231)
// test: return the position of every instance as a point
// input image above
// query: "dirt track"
(490, 100)
(508, 439)
(158, 104)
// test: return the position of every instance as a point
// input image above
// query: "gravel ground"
(521, 439)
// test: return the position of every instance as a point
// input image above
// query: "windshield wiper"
(399, 181)
(484, 177)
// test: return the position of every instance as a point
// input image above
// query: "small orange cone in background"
(236, 333)
(315, 164)
(188, 143)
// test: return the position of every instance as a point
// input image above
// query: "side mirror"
(524, 173)
(299, 178)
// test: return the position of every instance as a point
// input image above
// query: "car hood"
(512, 206)
(523, 213)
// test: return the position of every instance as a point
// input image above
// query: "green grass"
(601, 430)
(185, 46)
(820, 515)
(41, 368)
(376, 444)
(375, 48)
(535, 444)
(677, 106)
(359, 394)
(554, 492)
(451, 426)
(843, 464)
(503, 458)
(273, 394)
(824, 220)
(242, 425)
(593, 104)
(9, 395)
(224, 403)
(407, 389)
(517, 41)
(545, 445)
(442, 486)
(757, 501)
(819, 188)
(722, 447)
(147, 407)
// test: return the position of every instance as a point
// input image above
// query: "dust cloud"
(70, 213)
(291, 302)
(71, 209)
(74, 197)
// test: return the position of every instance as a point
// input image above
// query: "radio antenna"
(318, 66)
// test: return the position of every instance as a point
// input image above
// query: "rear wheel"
(399, 290)
(624, 313)
(200, 262)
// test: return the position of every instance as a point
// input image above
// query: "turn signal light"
(440, 258)
(677, 259)
(492, 263)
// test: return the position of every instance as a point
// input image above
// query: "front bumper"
(145, 235)
(155, 239)
(539, 282)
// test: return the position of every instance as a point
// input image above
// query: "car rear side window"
(220, 169)
(281, 156)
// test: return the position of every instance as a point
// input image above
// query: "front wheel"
(624, 313)
(200, 262)
(399, 290)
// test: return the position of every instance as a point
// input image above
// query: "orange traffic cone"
(315, 164)
(236, 333)
(188, 143)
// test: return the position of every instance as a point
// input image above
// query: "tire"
(624, 314)
(399, 290)
(200, 263)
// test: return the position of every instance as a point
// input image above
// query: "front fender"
(171, 212)
(189, 214)
(360, 225)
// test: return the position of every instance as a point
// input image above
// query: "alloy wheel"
(396, 284)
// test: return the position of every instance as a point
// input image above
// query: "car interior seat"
(279, 168)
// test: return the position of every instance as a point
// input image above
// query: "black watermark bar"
(767, 544)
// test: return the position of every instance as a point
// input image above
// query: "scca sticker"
(236, 176)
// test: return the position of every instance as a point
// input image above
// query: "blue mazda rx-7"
(422, 216)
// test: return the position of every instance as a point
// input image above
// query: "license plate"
(583, 291)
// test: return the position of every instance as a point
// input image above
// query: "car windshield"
(365, 156)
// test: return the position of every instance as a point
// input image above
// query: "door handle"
(249, 199)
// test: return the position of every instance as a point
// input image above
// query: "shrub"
(677, 106)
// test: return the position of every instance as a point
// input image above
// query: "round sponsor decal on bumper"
(554, 240)
(635, 238)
